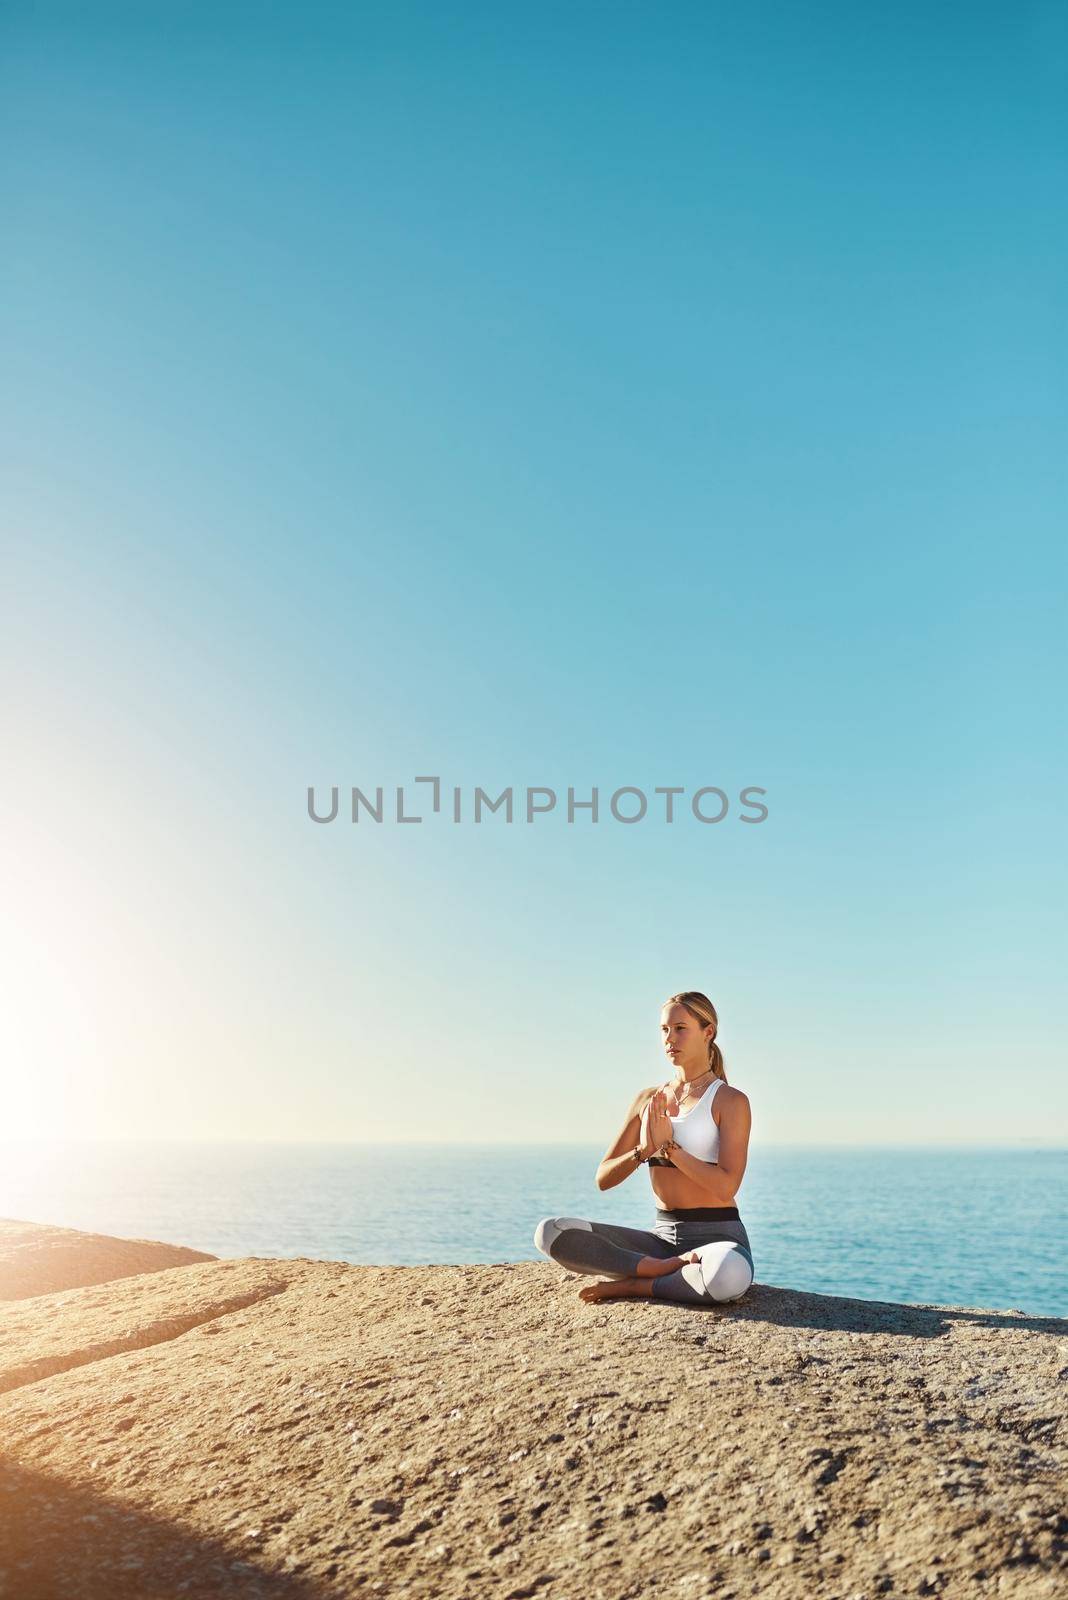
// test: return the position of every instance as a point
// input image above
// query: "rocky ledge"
(294, 1429)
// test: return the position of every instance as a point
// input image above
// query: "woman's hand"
(645, 1136)
(656, 1124)
(659, 1118)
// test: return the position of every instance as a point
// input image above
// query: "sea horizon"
(1060, 1143)
(965, 1224)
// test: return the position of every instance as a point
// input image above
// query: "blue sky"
(563, 395)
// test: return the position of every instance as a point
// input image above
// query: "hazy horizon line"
(1057, 1143)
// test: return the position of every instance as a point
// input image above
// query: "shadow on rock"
(792, 1308)
(60, 1541)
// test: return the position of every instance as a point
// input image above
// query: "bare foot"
(617, 1289)
(655, 1267)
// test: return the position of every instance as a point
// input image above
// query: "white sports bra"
(696, 1129)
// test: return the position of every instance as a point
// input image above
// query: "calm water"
(951, 1226)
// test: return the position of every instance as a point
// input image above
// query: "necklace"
(688, 1084)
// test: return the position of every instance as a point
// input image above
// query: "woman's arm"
(619, 1163)
(722, 1179)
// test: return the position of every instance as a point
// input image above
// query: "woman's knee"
(544, 1234)
(549, 1230)
(726, 1271)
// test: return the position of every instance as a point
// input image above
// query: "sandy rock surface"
(36, 1259)
(308, 1429)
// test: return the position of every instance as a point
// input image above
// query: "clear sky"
(561, 395)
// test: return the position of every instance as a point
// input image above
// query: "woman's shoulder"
(733, 1104)
(730, 1095)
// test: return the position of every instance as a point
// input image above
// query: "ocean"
(950, 1225)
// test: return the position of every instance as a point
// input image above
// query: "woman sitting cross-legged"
(693, 1133)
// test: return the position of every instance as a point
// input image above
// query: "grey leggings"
(724, 1272)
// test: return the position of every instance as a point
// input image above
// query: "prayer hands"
(656, 1123)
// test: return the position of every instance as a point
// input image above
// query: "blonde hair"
(703, 1011)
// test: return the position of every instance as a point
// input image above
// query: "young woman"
(693, 1133)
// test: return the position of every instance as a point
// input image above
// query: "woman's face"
(685, 1040)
